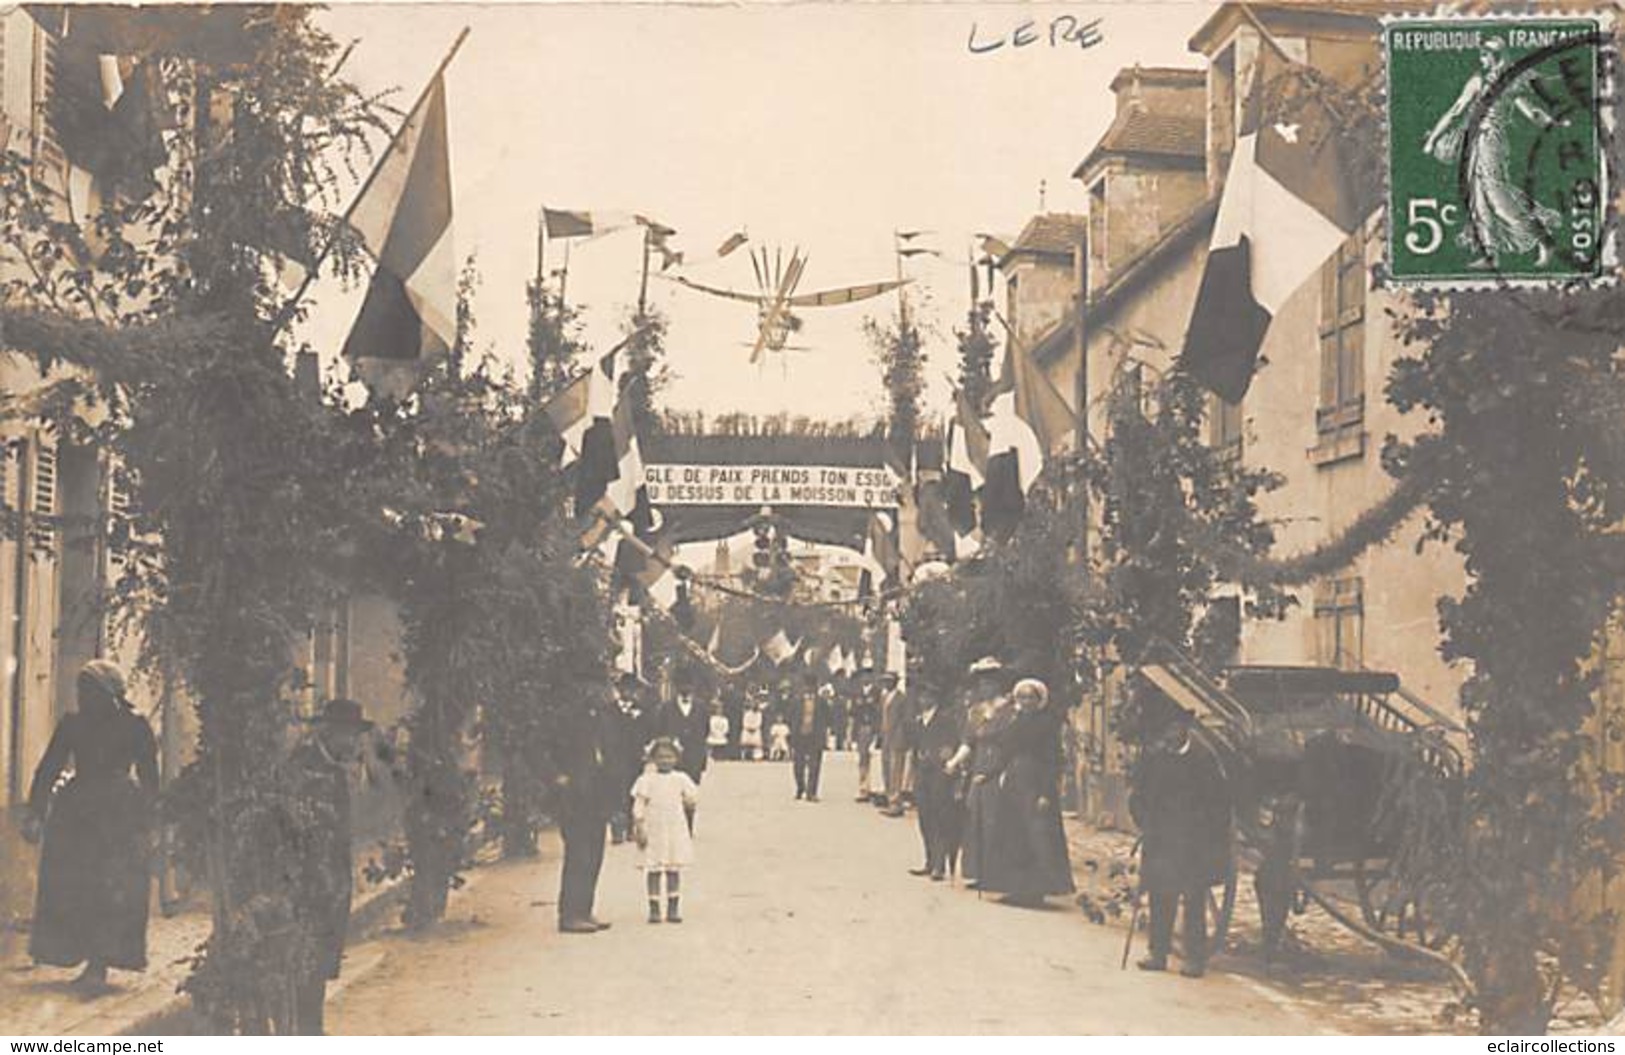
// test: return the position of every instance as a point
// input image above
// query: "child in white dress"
(663, 804)
(779, 746)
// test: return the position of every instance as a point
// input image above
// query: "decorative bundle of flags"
(881, 554)
(1288, 203)
(596, 423)
(591, 223)
(989, 466)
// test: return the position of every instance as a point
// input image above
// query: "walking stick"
(1134, 913)
(1133, 925)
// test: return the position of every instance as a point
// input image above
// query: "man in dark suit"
(865, 730)
(589, 787)
(1182, 804)
(629, 721)
(686, 722)
(809, 732)
(936, 730)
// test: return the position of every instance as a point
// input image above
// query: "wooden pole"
(564, 279)
(541, 247)
(1080, 348)
(286, 313)
(643, 282)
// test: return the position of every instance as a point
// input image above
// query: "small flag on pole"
(581, 223)
(734, 241)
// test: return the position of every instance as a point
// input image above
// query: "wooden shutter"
(44, 506)
(47, 154)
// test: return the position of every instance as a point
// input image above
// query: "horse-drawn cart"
(1322, 765)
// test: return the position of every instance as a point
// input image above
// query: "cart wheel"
(1373, 891)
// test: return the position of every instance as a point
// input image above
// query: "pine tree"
(898, 347)
(977, 348)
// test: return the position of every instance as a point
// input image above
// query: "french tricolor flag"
(404, 217)
(1288, 203)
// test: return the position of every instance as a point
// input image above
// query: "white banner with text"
(843, 486)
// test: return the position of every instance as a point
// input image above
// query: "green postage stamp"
(1497, 133)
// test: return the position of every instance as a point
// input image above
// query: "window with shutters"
(1339, 618)
(1342, 336)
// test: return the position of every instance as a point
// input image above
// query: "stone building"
(67, 545)
(1315, 412)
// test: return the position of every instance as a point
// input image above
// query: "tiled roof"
(1051, 234)
(1161, 76)
(1137, 130)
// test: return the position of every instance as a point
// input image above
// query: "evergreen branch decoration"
(1374, 527)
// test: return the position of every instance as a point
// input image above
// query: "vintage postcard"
(773, 519)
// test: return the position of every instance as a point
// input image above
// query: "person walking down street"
(1029, 860)
(734, 707)
(894, 719)
(589, 787)
(808, 735)
(1181, 802)
(684, 721)
(664, 800)
(938, 730)
(95, 874)
(322, 868)
(989, 714)
(780, 739)
(865, 728)
(629, 722)
(717, 733)
(750, 734)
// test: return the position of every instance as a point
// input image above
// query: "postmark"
(1497, 152)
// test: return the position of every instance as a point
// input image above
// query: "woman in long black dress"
(94, 870)
(1029, 859)
(988, 717)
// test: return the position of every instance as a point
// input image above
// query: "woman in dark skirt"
(94, 872)
(988, 718)
(1028, 859)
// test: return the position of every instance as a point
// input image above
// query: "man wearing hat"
(865, 726)
(895, 715)
(686, 722)
(589, 782)
(1181, 803)
(323, 870)
(809, 733)
(938, 728)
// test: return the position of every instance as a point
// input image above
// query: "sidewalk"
(40, 1002)
(1323, 968)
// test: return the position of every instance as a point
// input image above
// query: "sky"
(823, 126)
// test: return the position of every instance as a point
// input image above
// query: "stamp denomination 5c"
(1497, 172)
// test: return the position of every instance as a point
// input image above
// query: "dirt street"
(800, 918)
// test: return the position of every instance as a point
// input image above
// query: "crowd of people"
(980, 762)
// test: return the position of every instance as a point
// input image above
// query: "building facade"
(1315, 413)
